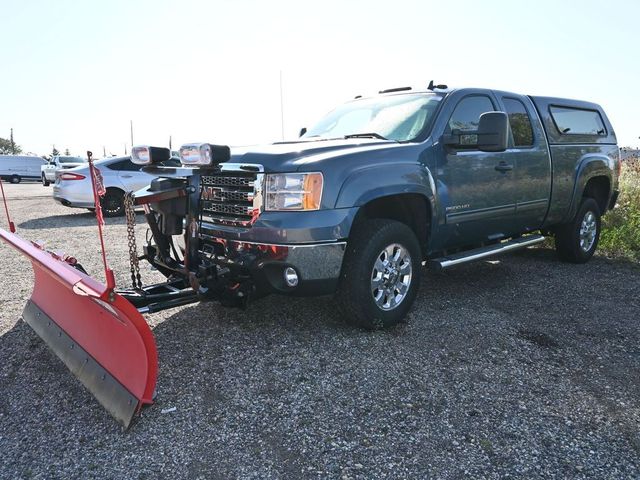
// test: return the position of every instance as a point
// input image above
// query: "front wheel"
(380, 274)
(45, 182)
(576, 242)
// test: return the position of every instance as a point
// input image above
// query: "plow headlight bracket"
(147, 155)
(203, 154)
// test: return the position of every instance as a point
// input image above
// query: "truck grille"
(231, 197)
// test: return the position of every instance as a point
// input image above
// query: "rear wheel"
(45, 182)
(113, 203)
(576, 242)
(380, 275)
(15, 179)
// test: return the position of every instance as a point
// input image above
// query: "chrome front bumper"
(318, 265)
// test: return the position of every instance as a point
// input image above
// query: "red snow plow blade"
(100, 336)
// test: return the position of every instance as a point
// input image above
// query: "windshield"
(395, 117)
(71, 160)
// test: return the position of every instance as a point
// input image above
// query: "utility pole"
(125, 148)
(131, 125)
(13, 144)
(169, 142)
(104, 151)
(281, 109)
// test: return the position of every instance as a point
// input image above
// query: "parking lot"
(521, 367)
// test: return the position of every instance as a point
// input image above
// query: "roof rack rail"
(397, 89)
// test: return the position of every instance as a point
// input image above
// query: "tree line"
(9, 147)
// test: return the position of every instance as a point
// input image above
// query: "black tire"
(15, 179)
(45, 182)
(571, 244)
(113, 203)
(355, 294)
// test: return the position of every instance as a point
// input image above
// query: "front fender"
(368, 183)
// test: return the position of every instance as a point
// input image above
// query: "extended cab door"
(477, 189)
(529, 153)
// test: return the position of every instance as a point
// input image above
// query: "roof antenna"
(432, 87)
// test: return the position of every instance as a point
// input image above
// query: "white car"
(120, 175)
(14, 168)
(48, 171)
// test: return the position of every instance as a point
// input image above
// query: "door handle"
(504, 167)
(129, 176)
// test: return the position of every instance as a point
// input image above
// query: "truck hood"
(305, 154)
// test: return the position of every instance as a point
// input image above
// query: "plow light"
(71, 176)
(147, 155)
(203, 154)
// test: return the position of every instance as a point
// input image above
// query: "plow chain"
(134, 264)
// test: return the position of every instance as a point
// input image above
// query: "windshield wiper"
(366, 135)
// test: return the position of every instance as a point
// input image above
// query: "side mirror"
(493, 132)
(491, 136)
(303, 130)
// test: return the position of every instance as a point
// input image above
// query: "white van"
(16, 167)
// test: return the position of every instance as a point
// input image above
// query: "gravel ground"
(519, 368)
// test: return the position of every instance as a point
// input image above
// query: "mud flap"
(100, 336)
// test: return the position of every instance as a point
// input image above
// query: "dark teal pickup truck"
(354, 207)
(379, 187)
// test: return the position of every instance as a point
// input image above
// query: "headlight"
(146, 155)
(203, 154)
(293, 191)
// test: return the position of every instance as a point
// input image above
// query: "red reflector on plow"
(99, 335)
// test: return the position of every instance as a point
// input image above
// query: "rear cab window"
(577, 121)
(519, 122)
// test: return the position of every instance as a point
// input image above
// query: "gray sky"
(74, 73)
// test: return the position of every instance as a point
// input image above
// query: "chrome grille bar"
(231, 196)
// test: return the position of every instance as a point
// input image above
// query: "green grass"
(620, 235)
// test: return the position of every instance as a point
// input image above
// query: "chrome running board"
(484, 252)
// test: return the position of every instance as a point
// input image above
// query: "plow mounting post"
(97, 186)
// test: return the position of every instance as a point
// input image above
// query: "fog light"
(291, 276)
